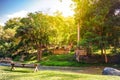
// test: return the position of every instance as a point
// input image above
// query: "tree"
(6, 42)
(8, 37)
(112, 25)
(36, 30)
(65, 30)
(91, 15)
(13, 23)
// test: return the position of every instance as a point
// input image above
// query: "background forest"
(95, 27)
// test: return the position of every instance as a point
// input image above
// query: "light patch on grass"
(108, 51)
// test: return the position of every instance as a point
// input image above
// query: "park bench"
(23, 65)
(80, 54)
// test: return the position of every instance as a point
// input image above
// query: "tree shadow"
(20, 70)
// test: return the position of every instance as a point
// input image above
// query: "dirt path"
(86, 70)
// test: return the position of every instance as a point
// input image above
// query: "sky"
(20, 8)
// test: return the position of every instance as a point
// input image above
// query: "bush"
(2, 54)
(46, 52)
(16, 57)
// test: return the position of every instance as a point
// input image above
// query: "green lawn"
(67, 60)
(61, 60)
(28, 74)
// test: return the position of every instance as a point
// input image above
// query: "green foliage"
(97, 21)
(115, 51)
(46, 52)
(13, 23)
(99, 28)
(35, 31)
(65, 30)
(83, 42)
(16, 58)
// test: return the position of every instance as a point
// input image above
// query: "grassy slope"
(27, 74)
(61, 60)
(67, 60)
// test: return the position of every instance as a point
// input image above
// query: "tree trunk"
(39, 53)
(78, 33)
(115, 48)
(88, 49)
(101, 51)
(101, 48)
(105, 56)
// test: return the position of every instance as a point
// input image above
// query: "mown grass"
(28, 74)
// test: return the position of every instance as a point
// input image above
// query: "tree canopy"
(97, 23)
(98, 20)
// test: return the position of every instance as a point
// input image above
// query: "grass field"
(28, 74)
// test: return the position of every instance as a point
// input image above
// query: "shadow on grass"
(20, 70)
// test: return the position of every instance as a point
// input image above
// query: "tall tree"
(91, 15)
(113, 24)
(37, 30)
(65, 29)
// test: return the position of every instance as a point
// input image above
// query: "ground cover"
(28, 74)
